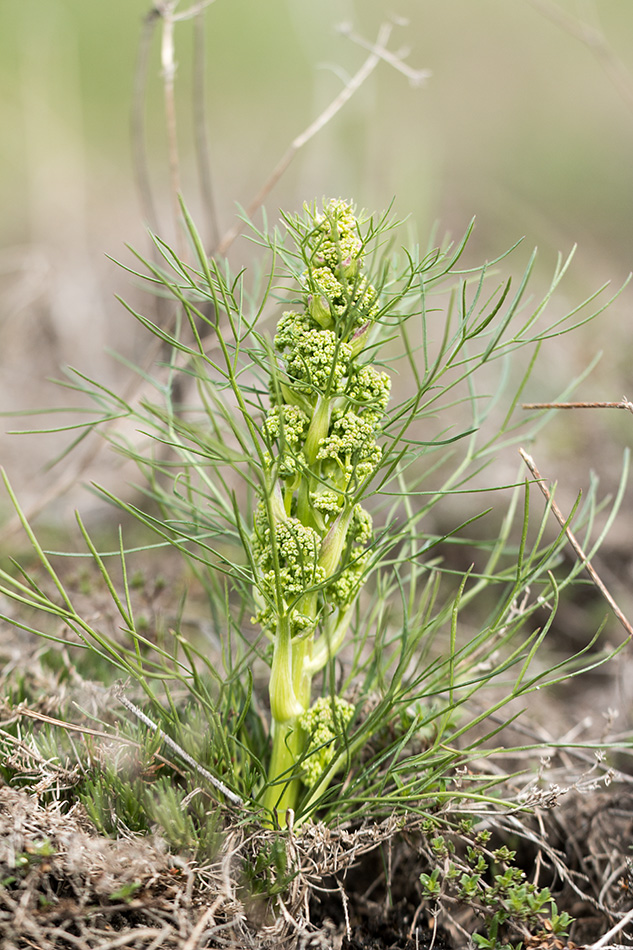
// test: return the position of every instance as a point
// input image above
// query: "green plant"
(268, 447)
(491, 884)
(311, 532)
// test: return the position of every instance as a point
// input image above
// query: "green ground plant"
(348, 666)
(487, 879)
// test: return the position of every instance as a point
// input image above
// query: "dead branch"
(96, 440)
(529, 461)
(164, 10)
(217, 784)
(137, 123)
(23, 710)
(378, 52)
(603, 943)
(201, 131)
(168, 67)
(623, 404)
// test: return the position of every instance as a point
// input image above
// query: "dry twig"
(201, 132)
(23, 710)
(72, 475)
(217, 784)
(623, 404)
(529, 461)
(378, 52)
(137, 123)
(165, 10)
(168, 67)
(603, 943)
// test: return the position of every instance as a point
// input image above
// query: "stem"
(290, 686)
(287, 747)
(304, 605)
(377, 53)
(284, 702)
(319, 426)
(168, 63)
(529, 461)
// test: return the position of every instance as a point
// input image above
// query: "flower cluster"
(321, 429)
(323, 723)
(321, 452)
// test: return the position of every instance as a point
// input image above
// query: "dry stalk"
(217, 784)
(416, 77)
(193, 940)
(168, 67)
(201, 132)
(137, 123)
(623, 404)
(165, 11)
(604, 941)
(378, 52)
(23, 710)
(529, 461)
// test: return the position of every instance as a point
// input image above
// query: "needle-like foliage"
(293, 446)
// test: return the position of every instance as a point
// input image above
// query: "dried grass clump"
(61, 884)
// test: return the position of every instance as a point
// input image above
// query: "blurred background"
(525, 122)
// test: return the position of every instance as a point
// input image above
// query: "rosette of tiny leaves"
(311, 532)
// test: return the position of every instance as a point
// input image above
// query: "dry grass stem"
(201, 130)
(603, 943)
(166, 11)
(416, 77)
(529, 461)
(137, 123)
(96, 441)
(23, 710)
(168, 66)
(378, 52)
(217, 784)
(623, 404)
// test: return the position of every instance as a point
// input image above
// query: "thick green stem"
(318, 430)
(291, 680)
(314, 511)
(287, 747)
(290, 687)
(285, 704)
